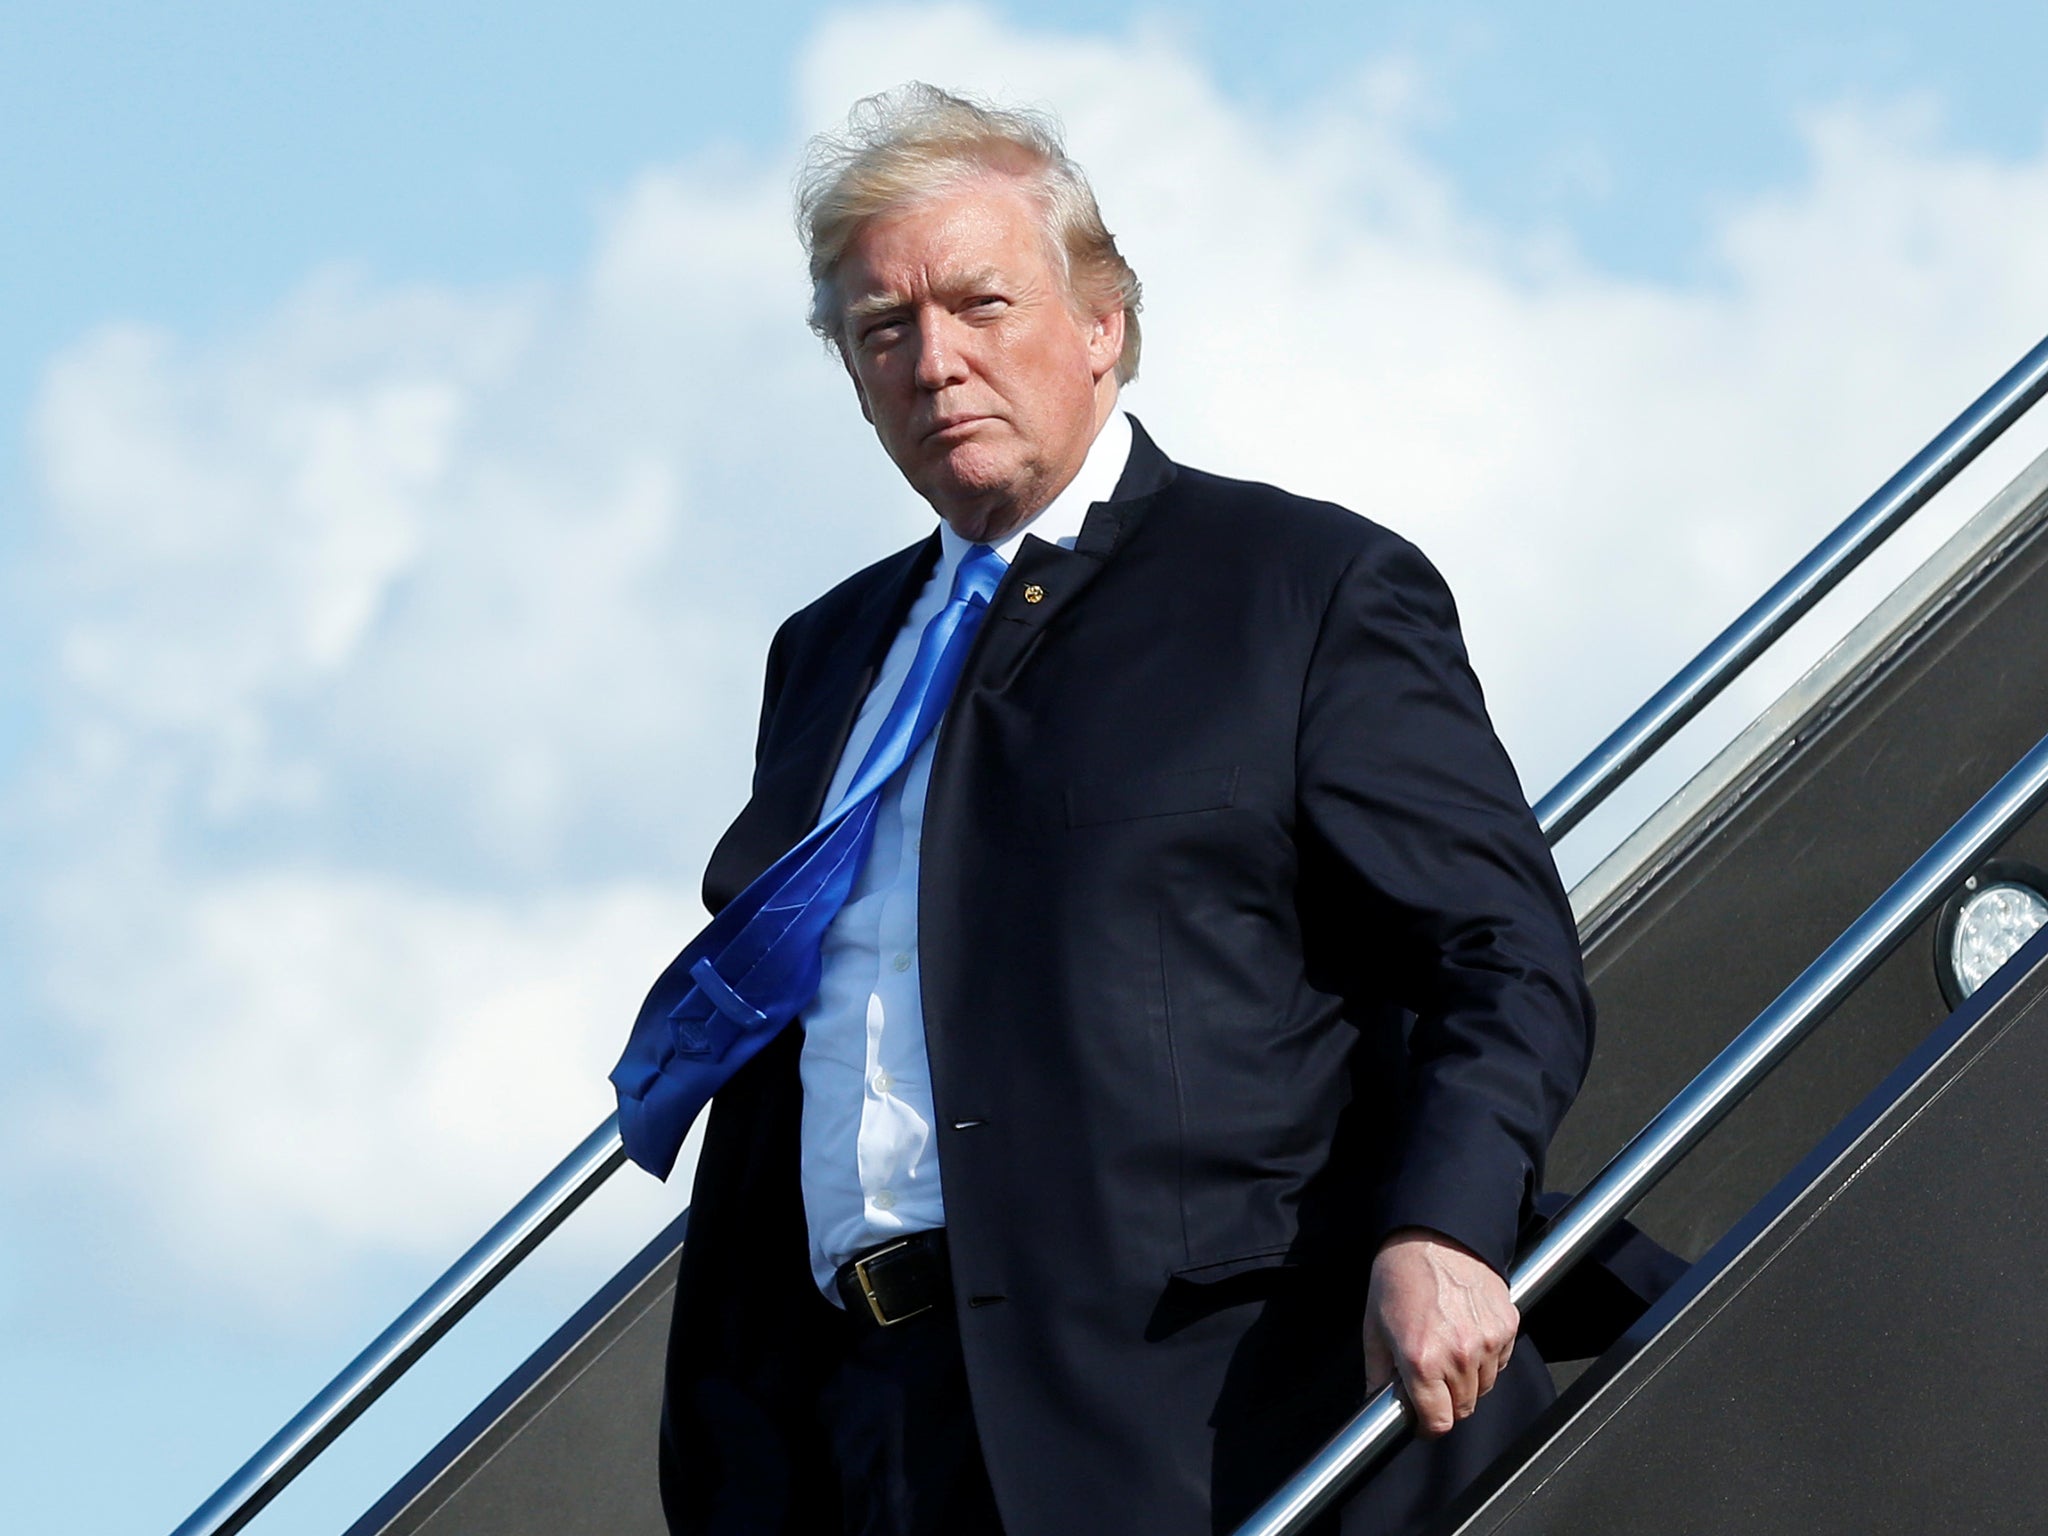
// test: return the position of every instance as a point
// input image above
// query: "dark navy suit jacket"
(1240, 948)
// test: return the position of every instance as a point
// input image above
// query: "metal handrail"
(472, 1277)
(477, 1272)
(1707, 674)
(1698, 1108)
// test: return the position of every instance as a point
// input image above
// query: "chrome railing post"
(468, 1281)
(1703, 678)
(1696, 1110)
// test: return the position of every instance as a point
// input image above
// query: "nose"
(941, 359)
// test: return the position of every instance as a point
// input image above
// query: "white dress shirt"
(870, 1159)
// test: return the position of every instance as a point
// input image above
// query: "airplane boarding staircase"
(1856, 1345)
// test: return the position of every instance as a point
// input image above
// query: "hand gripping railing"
(500, 1250)
(471, 1278)
(1687, 1118)
(1703, 678)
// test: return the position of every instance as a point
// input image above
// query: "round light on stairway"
(1984, 924)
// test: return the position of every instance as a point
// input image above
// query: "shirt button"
(884, 1082)
(917, 845)
(901, 962)
(885, 1199)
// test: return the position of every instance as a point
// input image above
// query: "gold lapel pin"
(1034, 593)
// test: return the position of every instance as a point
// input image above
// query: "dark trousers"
(901, 1428)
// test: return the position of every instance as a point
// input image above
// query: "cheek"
(1045, 367)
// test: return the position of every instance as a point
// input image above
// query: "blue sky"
(408, 437)
(190, 166)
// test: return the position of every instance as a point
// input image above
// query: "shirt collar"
(1059, 521)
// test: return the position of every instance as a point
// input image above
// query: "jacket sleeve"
(1410, 804)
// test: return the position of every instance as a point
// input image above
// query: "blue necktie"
(756, 966)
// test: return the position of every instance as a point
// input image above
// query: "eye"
(880, 333)
(985, 304)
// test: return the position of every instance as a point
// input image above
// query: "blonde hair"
(917, 142)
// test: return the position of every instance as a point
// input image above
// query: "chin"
(982, 466)
(970, 474)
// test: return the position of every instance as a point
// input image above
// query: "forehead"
(983, 227)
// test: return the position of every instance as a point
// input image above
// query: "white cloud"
(408, 641)
(301, 1067)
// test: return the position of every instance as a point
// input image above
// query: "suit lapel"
(1045, 580)
(853, 658)
(832, 666)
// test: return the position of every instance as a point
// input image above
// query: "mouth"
(952, 428)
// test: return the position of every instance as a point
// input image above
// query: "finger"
(1431, 1400)
(1463, 1385)
(1489, 1371)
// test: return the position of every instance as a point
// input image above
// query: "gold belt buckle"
(867, 1288)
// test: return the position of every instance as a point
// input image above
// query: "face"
(983, 383)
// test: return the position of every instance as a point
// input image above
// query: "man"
(1181, 1022)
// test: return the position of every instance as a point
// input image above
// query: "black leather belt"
(897, 1280)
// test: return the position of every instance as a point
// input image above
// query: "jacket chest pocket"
(1095, 802)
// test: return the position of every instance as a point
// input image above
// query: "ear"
(859, 393)
(1105, 342)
